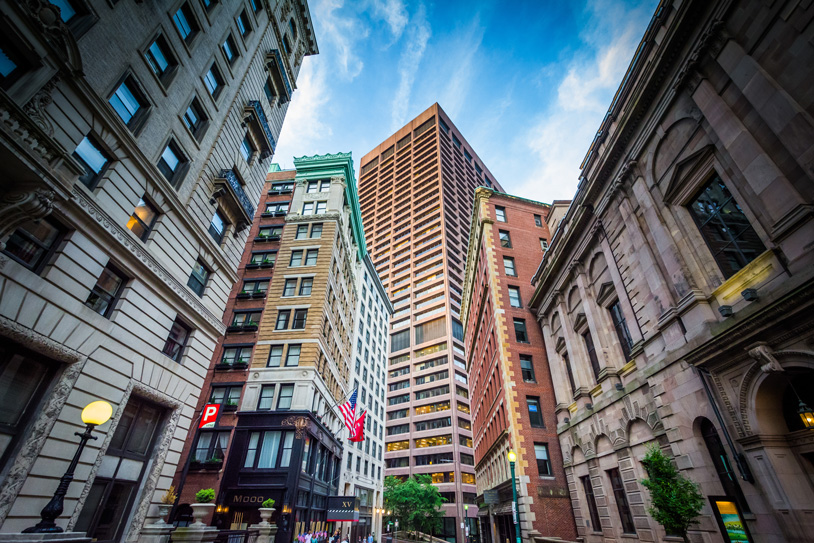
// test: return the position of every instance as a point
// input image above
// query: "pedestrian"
(370, 538)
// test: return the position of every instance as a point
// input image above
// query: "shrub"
(205, 495)
(169, 496)
(269, 503)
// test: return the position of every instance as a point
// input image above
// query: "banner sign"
(343, 509)
(209, 415)
(730, 520)
(491, 497)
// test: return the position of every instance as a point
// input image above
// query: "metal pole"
(515, 509)
(53, 508)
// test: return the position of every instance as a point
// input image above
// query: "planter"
(213, 466)
(265, 515)
(199, 511)
(229, 407)
(243, 295)
(163, 510)
(195, 465)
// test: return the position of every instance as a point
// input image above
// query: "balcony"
(256, 118)
(263, 239)
(226, 364)
(248, 326)
(229, 191)
(276, 68)
(280, 192)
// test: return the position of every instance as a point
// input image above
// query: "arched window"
(726, 473)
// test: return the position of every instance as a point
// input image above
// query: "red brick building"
(228, 371)
(511, 390)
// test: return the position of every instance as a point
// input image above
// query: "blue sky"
(527, 83)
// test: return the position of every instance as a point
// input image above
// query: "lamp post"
(94, 414)
(515, 511)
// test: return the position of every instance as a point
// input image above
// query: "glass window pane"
(169, 158)
(113, 512)
(66, 9)
(125, 102)
(269, 449)
(251, 450)
(293, 356)
(20, 378)
(144, 428)
(157, 59)
(91, 155)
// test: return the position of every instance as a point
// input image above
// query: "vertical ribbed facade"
(416, 194)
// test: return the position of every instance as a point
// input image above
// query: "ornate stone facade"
(675, 299)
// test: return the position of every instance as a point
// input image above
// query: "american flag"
(348, 410)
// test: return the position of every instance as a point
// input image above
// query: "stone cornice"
(127, 240)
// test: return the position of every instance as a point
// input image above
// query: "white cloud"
(304, 126)
(461, 67)
(340, 34)
(560, 137)
(418, 34)
(394, 14)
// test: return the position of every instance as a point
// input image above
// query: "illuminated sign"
(343, 509)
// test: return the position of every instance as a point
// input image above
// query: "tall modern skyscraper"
(416, 194)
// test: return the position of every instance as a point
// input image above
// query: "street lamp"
(94, 414)
(512, 460)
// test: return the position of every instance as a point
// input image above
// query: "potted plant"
(213, 463)
(203, 505)
(165, 506)
(266, 510)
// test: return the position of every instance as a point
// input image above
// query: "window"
(520, 331)
(270, 449)
(290, 287)
(505, 240)
(143, 219)
(543, 244)
(211, 446)
(283, 317)
(622, 504)
(312, 187)
(269, 233)
(243, 24)
(256, 286)
(198, 277)
(172, 163)
(300, 315)
(286, 45)
(275, 356)
(725, 228)
(236, 354)
(67, 10)
(292, 357)
(230, 50)
(247, 318)
(247, 148)
(106, 291)
(217, 226)
(589, 495)
(538, 220)
(316, 231)
(508, 265)
(543, 461)
(161, 60)
(286, 394)
(195, 119)
(33, 243)
(93, 159)
(527, 368)
(514, 297)
(12, 64)
(185, 23)
(302, 231)
(305, 286)
(296, 259)
(325, 185)
(177, 340)
(263, 258)
(622, 332)
(311, 257)
(110, 499)
(569, 372)
(500, 213)
(268, 89)
(24, 378)
(535, 415)
(128, 102)
(321, 207)
(589, 346)
(228, 395)
(257, 5)
(213, 80)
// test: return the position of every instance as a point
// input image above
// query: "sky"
(526, 82)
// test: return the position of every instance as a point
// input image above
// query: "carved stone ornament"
(36, 106)
(764, 355)
(19, 207)
(711, 41)
(299, 423)
(46, 17)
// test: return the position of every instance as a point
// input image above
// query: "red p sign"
(209, 415)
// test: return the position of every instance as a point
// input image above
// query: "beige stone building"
(676, 297)
(134, 141)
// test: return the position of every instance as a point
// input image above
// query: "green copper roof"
(275, 167)
(341, 164)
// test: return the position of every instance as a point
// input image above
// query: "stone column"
(577, 354)
(558, 377)
(267, 532)
(599, 328)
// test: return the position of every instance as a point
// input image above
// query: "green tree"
(416, 502)
(675, 500)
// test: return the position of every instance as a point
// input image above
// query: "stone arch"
(762, 385)
(597, 266)
(555, 322)
(639, 430)
(603, 444)
(573, 299)
(577, 455)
